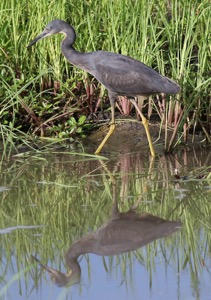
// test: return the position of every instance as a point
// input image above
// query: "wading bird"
(121, 75)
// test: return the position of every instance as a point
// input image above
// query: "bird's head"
(59, 278)
(52, 27)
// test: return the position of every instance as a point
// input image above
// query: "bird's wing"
(130, 77)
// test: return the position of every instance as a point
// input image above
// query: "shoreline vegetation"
(42, 95)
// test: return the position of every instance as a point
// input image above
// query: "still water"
(127, 226)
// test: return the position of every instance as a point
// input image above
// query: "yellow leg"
(146, 126)
(111, 130)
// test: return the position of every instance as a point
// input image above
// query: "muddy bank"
(130, 135)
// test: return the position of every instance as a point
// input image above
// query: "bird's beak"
(39, 37)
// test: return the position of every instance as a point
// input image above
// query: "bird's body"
(124, 75)
(120, 74)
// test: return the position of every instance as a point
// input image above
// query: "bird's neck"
(80, 247)
(70, 36)
(78, 59)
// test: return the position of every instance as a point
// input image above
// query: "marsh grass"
(171, 36)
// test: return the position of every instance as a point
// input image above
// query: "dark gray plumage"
(121, 75)
(123, 232)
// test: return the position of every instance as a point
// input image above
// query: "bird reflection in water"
(123, 232)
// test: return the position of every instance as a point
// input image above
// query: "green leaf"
(81, 120)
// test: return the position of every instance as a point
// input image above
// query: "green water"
(50, 201)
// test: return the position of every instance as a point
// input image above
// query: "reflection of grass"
(72, 198)
(16, 277)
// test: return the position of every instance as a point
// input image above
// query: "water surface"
(48, 202)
